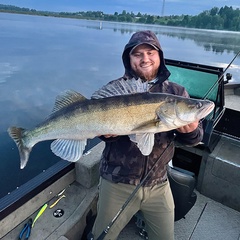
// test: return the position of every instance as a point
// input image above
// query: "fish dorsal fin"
(121, 87)
(67, 98)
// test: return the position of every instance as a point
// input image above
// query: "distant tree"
(122, 18)
(139, 14)
(216, 22)
(124, 12)
(150, 19)
(141, 20)
(225, 17)
(185, 21)
(214, 11)
(112, 18)
(129, 18)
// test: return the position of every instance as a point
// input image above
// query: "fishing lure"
(57, 201)
(43, 208)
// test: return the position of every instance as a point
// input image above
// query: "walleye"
(122, 108)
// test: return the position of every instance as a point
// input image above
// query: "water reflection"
(210, 40)
(207, 47)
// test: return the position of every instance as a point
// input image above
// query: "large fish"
(122, 108)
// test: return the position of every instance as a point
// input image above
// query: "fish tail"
(24, 151)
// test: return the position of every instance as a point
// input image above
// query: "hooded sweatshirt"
(121, 160)
(138, 38)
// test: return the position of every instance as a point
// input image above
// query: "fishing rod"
(220, 78)
(106, 230)
(218, 82)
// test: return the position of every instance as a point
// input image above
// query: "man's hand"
(110, 135)
(188, 128)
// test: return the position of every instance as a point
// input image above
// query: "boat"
(70, 189)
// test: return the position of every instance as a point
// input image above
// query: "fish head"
(191, 110)
(179, 111)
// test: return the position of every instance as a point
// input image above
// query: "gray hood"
(140, 38)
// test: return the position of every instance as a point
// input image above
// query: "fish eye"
(169, 99)
(199, 105)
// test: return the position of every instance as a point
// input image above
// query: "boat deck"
(207, 220)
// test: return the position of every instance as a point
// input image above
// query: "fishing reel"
(228, 78)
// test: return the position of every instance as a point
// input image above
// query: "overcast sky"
(152, 7)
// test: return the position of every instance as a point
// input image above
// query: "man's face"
(145, 61)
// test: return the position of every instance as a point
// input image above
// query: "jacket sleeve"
(190, 139)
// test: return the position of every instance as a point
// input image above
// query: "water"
(43, 56)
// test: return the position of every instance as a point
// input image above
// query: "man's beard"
(147, 76)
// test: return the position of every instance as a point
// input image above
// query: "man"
(122, 164)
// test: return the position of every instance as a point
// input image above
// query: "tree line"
(224, 18)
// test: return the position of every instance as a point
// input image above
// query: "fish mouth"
(206, 110)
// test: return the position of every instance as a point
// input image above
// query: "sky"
(151, 7)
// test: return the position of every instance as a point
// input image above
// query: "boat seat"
(182, 184)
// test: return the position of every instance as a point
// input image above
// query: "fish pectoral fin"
(148, 125)
(144, 142)
(70, 150)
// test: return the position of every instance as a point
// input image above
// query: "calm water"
(42, 56)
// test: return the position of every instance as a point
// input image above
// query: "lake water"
(43, 56)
